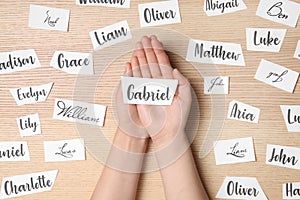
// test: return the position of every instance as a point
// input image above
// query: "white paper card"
(283, 156)
(280, 11)
(297, 51)
(234, 151)
(73, 62)
(277, 76)
(241, 188)
(291, 116)
(148, 91)
(220, 7)
(216, 84)
(265, 39)
(80, 112)
(29, 125)
(243, 112)
(18, 61)
(110, 35)
(47, 18)
(215, 52)
(291, 191)
(64, 150)
(14, 151)
(27, 184)
(115, 3)
(31, 94)
(159, 13)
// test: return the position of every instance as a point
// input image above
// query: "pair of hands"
(160, 123)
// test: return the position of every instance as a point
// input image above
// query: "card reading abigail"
(148, 91)
(291, 115)
(221, 7)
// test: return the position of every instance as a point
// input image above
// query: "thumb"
(183, 89)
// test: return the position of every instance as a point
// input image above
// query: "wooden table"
(76, 180)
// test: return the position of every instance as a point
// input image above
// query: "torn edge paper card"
(221, 7)
(215, 53)
(29, 125)
(297, 51)
(18, 61)
(277, 76)
(291, 190)
(148, 91)
(234, 151)
(291, 116)
(283, 156)
(216, 84)
(241, 188)
(16, 186)
(159, 13)
(14, 151)
(110, 35)
(31, 94)
(79, 112)
(42, 17)
(64, 150)
(265, 39)
(73, 62)
(243, 112)
(281, 11)
(111, 3)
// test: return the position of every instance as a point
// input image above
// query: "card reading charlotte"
(148, 91)
(221, 7)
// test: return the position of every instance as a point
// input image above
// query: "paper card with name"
(281, 11)
(79, 112)
(283, 156)
(215, 53)
(241, 188)
(29, 125)
(73, 62)
(42, 17)
(297, 51)
(216, 84)
(265, 39)
(234, 151)
(64, 150)
(31, 94)
(14, 151)
(291, 190)
(16, 186)
(221, 7)
(291, 116)
(114, 4)
(277, 76)
(18, 61)
(159, 13)
(243, 112)
(148, 91)
(110, 35)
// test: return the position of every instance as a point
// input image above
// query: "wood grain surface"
(76, 180)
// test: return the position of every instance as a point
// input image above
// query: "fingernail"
(139, 45)
(153, 37)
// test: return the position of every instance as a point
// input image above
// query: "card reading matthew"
(148, 91)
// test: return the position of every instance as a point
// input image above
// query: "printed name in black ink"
(112, 2)
(276, 11)
(212, 5)
(240, 153)
(236, 113)
(283, 158)
(67, 153)
(154, 15)
(64, 62)
(278, 77)
(76, 112)
(266, 41)
(10, 153)
(14, 62)
(215, 82)
(235, 188)
(216, 51)
(145, 95)
(106, 37)
(31, 94)
(27, 123)
(50, 21)
(291, 191)
(292, 119)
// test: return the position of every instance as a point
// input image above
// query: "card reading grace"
(148, 91)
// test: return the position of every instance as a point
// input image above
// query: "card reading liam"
(148, 91)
